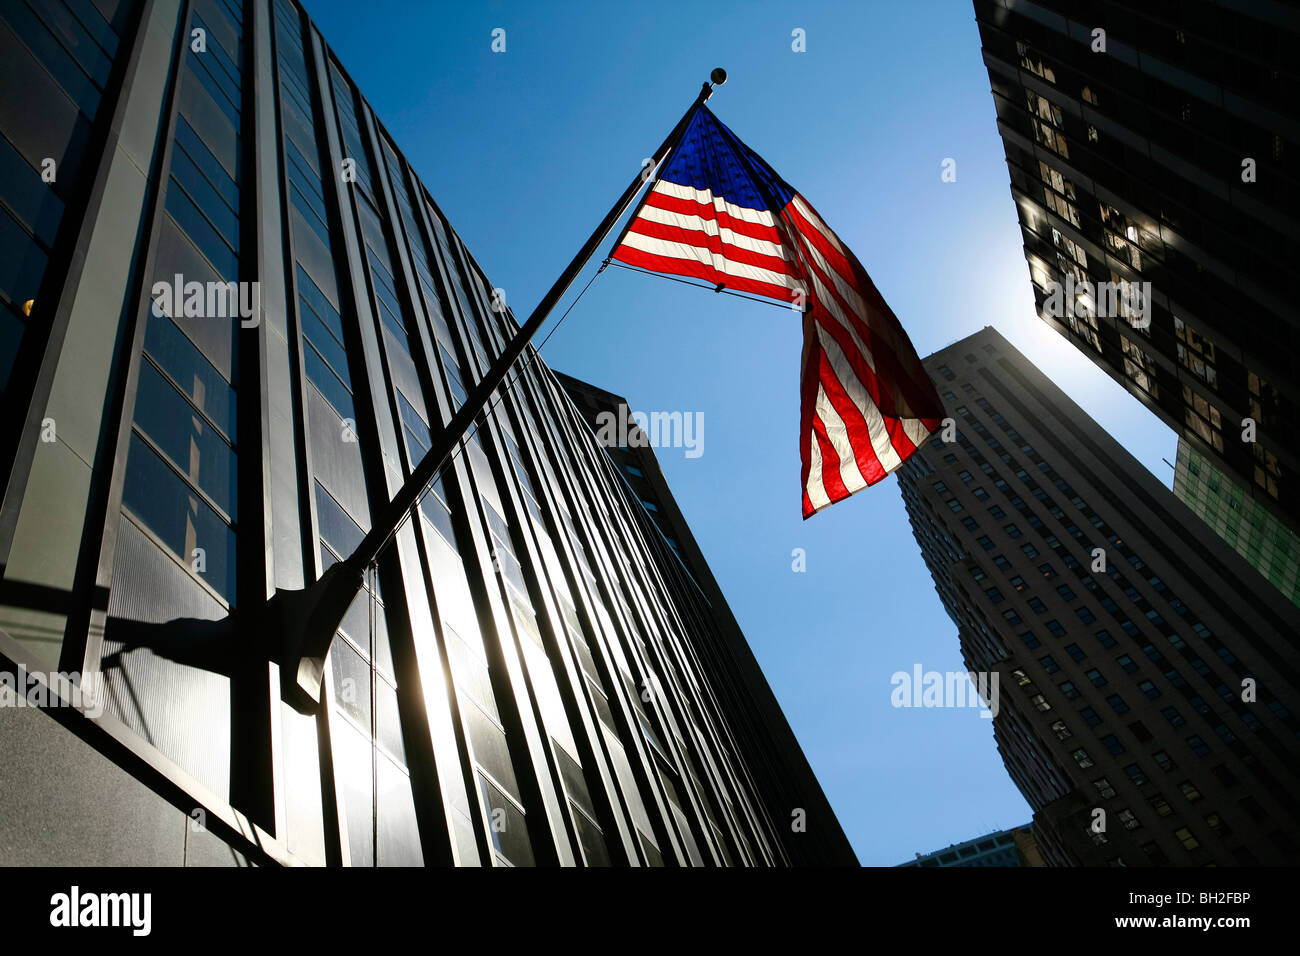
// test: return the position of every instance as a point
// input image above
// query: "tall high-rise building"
(1248, 527)
(789, 780)
(1148, 700)
(233, 318)
(1160, 143)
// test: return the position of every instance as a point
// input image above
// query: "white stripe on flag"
(681, 250)
(816, 488)
(710, 227)
(916, 430)
(762, 217)
(838, 433)
(852, 385)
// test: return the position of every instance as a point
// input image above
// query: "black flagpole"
(310, 617)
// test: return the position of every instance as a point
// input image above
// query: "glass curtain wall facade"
(1159, 143)
(1251, 530)
(1144, 669)
(762, 732)
(232, 324)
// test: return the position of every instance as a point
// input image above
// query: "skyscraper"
(1160, 144)
(234, 319)
(1148, 676)
(724, 652)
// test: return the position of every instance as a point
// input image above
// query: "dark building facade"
(1148, 707)
(233, 317)
(1166, 150)
(762, 732)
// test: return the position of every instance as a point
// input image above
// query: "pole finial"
(718, 76)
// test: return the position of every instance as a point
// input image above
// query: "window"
(1189, 791)
(1172, 715)
(1161, 806)
(1047, 571)
(1126, 663)
(1104, 788)
(1136, 775)
(1054, 628)
(1112, 744)
(1127, 818)
(1197, 745)
(1069, 690)
(1012, 617)
(193, 449)
(1117, 704)
(1085, 615)
(1012, 531)
(162, 500)
(1037, 606)
(1029, 550)
(1157, 856)
(1062, 732)
(1002, 563)
(1186, 839)
(1104, 638)
(1049, 664)
(512, 840)
(1075, 651)
(1066, 592)
(996, 513)
(1163, 760)
(1018, 583)
(953, 505)
(1081, 758)
(1149, 688)
(985, 542)
(1040, 702)
(995, 595)
(1030, 640)
(1090, 716)
(1096, 676)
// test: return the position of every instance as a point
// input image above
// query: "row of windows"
(182, 464)
(63, 50)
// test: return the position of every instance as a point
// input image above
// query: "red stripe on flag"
(699, 270)
(714, 244)
(691, 207)
(857, 431)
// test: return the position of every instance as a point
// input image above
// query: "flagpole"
(310, 617)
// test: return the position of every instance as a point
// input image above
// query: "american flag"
(718, 212)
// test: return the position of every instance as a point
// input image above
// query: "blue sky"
(526, 150)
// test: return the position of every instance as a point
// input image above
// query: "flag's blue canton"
(710, 157)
